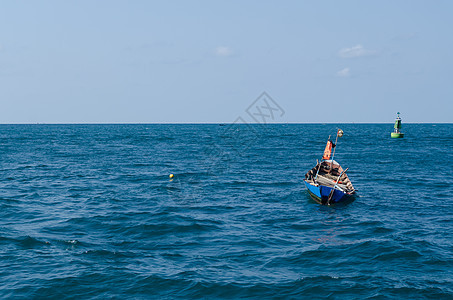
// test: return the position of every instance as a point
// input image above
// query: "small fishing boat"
(397, 134)
(327, 182)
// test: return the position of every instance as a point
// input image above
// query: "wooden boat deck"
(323, 180)
(328, 174)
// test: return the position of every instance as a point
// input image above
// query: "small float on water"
(396, 131)
(327, 182)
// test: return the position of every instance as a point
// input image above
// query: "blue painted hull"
(321, 194)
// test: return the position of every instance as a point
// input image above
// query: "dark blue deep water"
(89, 211)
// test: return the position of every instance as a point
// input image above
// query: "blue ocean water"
(89, 211)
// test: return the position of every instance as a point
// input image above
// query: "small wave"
(158, 230)
(107, 254)
(397, 255)
(27, 242)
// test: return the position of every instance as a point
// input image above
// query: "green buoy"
(396, 132)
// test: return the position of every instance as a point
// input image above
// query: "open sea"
(89, 212)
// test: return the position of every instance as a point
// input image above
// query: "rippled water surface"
(89, 211)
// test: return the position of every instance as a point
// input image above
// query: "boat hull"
(322, 193)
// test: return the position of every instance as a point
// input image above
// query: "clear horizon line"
(209, 123)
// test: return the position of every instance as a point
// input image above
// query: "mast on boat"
(339, 134)
(328, 150)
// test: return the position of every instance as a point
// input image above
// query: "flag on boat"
(328, 150)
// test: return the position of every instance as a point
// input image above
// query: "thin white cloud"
(356, 51)
(346, 72)
(223, 51)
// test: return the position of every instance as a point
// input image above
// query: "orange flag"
(328, 150)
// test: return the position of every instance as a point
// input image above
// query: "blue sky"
(207, 61)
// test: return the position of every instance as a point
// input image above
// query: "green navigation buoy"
(396, 132)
